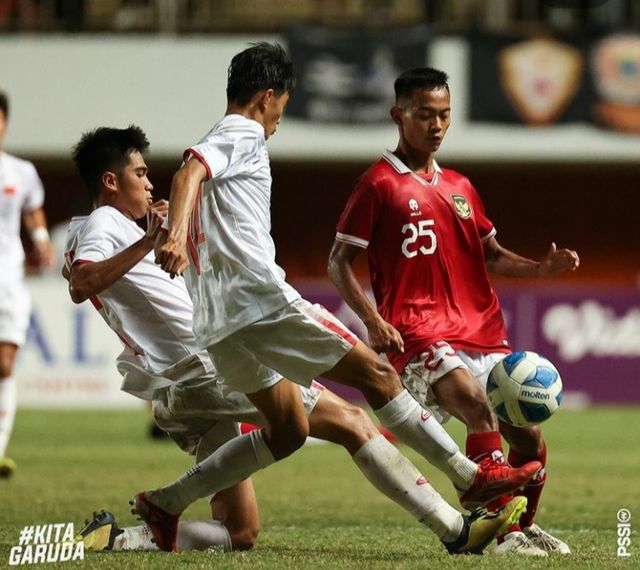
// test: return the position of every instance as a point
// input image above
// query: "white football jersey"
(20, 191)
(233, 279)
(149, 311)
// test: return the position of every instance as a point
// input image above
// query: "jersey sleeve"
(34, 191)
(358, 220)
(96, 241)
(216, 153)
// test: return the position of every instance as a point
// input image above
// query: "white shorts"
(15, 309)
(298, 342)
(200, 414)
(438, 360)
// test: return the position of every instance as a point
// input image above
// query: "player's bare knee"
(285, 438)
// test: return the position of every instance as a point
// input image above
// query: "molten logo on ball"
(524, 389)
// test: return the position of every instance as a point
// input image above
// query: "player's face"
(134, 188)
(273, 113)
(424, 119)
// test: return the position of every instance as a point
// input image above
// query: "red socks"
(533, 489)
(483, 445)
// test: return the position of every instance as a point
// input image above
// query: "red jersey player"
(429, 245)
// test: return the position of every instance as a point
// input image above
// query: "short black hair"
(419, 78)
(261, 66)
(105, 149)
(4, 104)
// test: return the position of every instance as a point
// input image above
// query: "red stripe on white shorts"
(333, 326)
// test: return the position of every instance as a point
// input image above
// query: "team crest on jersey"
(462, 206)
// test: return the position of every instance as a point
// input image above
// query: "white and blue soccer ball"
(524, 389)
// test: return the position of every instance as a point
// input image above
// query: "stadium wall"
(174, 88)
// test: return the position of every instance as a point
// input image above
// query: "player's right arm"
(383, 337)
(89, 279)
(171, 251)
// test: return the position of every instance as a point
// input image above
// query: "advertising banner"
(593, 337)
(68, 360)
(536, 81)
(545, 80)
(346, 75)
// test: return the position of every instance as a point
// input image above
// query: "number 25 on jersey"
(427, 246)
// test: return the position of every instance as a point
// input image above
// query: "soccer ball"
(524, 389)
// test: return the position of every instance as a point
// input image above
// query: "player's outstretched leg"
(408, 421)
(103, 533)
(335, 420)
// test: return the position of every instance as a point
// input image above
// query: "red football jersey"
(424, 236)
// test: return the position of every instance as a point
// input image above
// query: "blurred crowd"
(245, 16)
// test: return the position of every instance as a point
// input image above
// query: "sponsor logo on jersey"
(9, 190)
(414, 207)
(462, 206)
(540, 77)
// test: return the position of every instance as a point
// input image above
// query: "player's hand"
(161, 207)
(558, 261)
(171, 254)
(156, 214)
(383, 337)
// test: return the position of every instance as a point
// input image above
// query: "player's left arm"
(36, 224)
(501, 261)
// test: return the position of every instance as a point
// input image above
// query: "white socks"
(396, 477)
(237, 459)
(192, 535)
(8, 404)
(416, 427)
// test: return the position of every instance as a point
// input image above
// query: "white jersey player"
(247, 316)
(21, 200)
(109, 261)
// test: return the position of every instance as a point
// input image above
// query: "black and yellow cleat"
(7, 467)
(99, 533)
(481, 527)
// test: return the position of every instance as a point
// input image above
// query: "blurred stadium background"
(546, 123)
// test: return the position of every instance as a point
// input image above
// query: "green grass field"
(317, 511)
